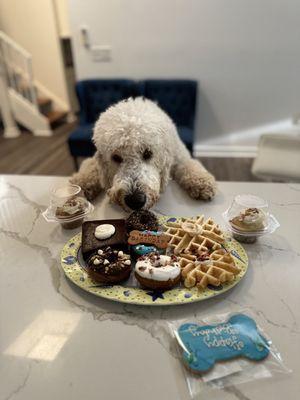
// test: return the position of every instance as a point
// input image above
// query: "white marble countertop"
(58, 342)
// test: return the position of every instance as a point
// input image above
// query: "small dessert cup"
(68, 206)
(248, 218)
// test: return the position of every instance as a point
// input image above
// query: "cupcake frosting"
(250, 219)
(71, 207)
(253, 216)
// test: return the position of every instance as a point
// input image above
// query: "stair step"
(45, 105)
(56, 116)
(42, 101)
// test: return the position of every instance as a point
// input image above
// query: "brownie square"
(90, 243)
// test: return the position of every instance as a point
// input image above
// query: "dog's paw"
(91, 192)
(90, 189)
(202, 188)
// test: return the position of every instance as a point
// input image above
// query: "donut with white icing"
(157, 271)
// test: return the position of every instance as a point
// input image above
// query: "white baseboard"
(242, 143)
(224, 151)
(11, 132)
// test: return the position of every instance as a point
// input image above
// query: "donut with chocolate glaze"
(142, 220)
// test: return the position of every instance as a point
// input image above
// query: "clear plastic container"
(249, 217)
(68, 206)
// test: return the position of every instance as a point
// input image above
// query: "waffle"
(194, 236)
(217, 268)
(198, 245)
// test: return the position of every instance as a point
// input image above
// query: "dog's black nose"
(135, 200)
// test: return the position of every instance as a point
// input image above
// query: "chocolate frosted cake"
(99, 234)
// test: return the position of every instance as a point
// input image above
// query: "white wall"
(32, 24)
(244, 53)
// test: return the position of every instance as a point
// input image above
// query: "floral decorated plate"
(130, 292)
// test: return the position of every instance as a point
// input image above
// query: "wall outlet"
(101, 53)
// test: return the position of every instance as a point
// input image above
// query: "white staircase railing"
(17, 66)
(22, 99)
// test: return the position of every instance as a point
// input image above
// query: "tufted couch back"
(96, 95)
(177, 97)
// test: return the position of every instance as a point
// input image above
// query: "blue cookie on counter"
(204, 345)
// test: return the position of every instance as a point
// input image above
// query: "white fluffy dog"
(138, 151)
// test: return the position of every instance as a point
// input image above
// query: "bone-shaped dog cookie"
(206, 344)
(158, 239)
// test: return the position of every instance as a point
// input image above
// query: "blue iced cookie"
(142, 249)
(206, 344)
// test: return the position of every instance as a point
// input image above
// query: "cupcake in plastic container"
(248, 218)
(68, 206)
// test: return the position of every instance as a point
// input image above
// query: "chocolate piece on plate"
(117, 238)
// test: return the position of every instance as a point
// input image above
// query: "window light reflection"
(44, 338)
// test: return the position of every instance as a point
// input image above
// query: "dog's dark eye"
(147, 154)
(116, 158)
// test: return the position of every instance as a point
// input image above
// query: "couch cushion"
(187, 136)
(96, 95)
(176, 97)
(80, 141)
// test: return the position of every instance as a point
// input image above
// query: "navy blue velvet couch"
(176, 97)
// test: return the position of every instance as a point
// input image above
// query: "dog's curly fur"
(124, 136)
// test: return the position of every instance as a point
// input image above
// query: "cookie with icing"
(109, 266)
(157, 239)
(157, 271)
(139, 250)
(204, 345)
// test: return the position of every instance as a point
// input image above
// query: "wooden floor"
(34, 155)
(50, 156)
(230, 169)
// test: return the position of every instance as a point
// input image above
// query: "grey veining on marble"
(57, 341)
